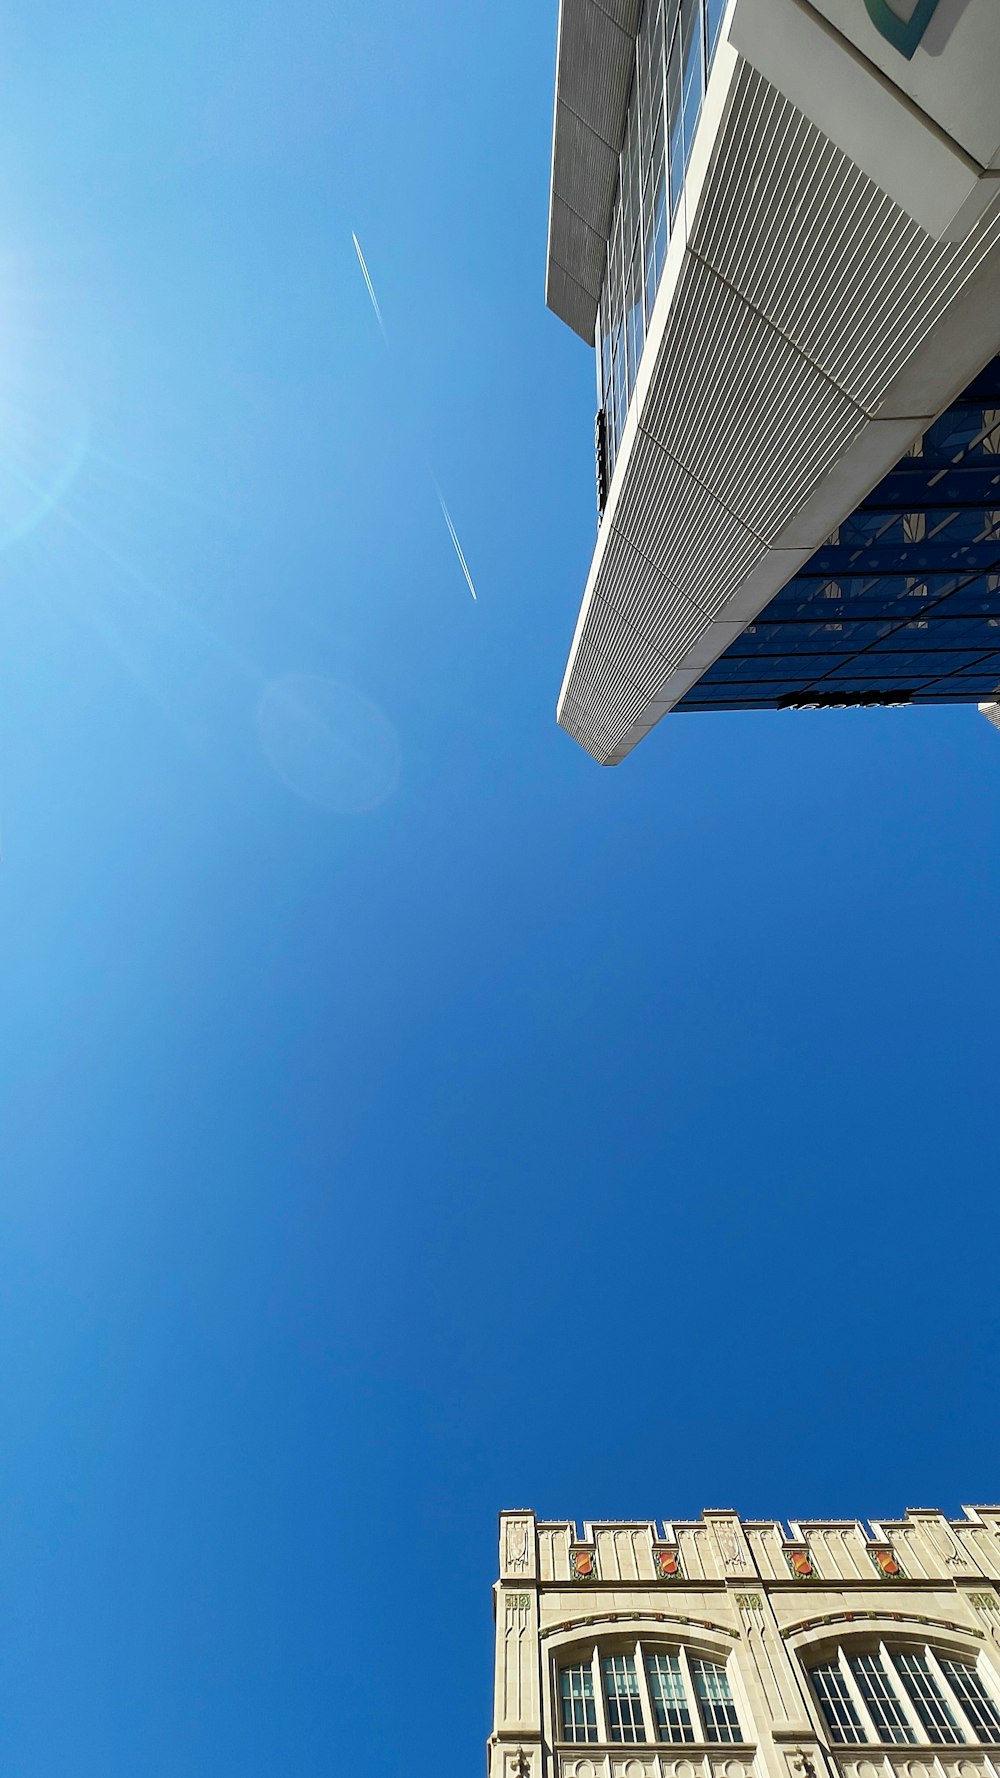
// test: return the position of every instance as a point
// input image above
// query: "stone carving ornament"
(517, 1544)
(735, 1556)
(944, 1541)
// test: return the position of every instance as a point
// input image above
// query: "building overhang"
(805, 332)
(925, 128)
(594, 64)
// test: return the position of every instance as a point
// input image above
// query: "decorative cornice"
(628, 1617)
(893, 1617)
(768, 1583)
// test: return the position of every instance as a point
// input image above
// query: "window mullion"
(951, 1696)
(864, 1714)
(694, 1707)
(906, 1703)
(603, 1731)
(652, 1730)
(640, 149)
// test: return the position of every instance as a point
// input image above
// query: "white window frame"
(575, 1656)
(634, 1653)
(579, 1660)
(987, 1680)
(687, 1687)
(841, 1657)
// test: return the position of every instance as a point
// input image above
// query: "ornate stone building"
(721, 1648)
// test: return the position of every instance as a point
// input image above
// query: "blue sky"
(401, 1117)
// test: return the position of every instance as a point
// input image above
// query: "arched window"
(644, 1692)
(903, 1695)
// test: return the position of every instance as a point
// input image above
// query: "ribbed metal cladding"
(726, 386)
(682, 528)
(593, 82)
(803, 292)
(573, 242)
(848, 278)
(647, 603)
(596, 60)
(617, 661)
(570, 302)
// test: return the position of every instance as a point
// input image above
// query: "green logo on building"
(903, 34)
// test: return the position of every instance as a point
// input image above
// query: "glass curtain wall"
(901, 605)
(673, 52)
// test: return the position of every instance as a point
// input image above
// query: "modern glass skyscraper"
(778, 223)
(729, 1648)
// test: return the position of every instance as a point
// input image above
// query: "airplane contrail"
(453, 534)
(459, 551)
(371, 288)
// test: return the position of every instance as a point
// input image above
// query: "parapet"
(720, 1546)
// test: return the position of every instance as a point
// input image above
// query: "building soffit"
(594, 64)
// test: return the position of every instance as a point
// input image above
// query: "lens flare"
(329, 743)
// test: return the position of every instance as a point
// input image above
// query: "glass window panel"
(933, 631)
(605, 350)
(666, 1688)
(835, 1701)
(802, 668)
(887, 1714)
(883, 664)
(645, 97)
(925, 1695)
(694, 70)
(636, 318)
(656, 150)
(715, 1701)
(621, 1692)
(652, 278)
(966, 690)
(675, 125)
(714, 11)
(739, 697)
(660, 238)
(656, 49)
(579, 1709)
(869, 527)
(975, 1700)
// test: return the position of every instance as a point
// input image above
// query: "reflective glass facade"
(902, 603)
(673, 52)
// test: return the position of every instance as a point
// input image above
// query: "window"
(621, 1690)
(666, 1689)
(836, 1703)
(883, 1705)
(645, 1693)
(904, 1695)
(673, 53)
(576, 1690)
(974, 1699)
(715, 1701)
(930, 1706)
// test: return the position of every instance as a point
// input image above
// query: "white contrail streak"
(371, 287)
(453, 534)
(459, 551)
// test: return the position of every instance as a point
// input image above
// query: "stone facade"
(761, 1601)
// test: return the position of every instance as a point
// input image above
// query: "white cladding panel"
(920, 115)
(951, 71)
